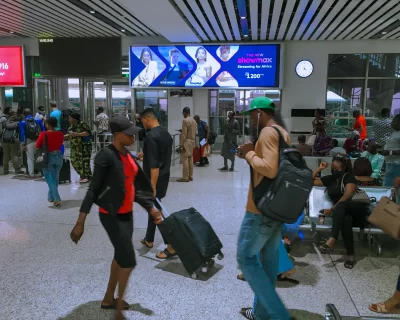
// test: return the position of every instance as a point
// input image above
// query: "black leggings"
(345, 215)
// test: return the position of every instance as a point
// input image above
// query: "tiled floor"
(45, 276)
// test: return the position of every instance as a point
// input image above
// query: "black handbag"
(42, 155)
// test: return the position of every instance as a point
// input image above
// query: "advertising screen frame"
(280, 69)
(23, 67)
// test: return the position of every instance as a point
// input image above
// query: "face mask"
(337, 173)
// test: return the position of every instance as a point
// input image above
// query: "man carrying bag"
(259, 236)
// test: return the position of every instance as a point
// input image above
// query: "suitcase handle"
(164, 211)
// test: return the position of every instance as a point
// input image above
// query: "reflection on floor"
(45, 276)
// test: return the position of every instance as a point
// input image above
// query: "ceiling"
(203, 20)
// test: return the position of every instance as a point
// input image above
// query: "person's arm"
(267, 163)
(39, 141)
(21, 131)
(101, 164)
(207, 128)
(153, 158)
(377, 166)
(349, 190)
(318, 182)
(40, 123)
(236, 127)
(184, 132)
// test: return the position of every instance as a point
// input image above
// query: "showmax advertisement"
(205, 66)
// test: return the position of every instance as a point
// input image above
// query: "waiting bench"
(319, 200)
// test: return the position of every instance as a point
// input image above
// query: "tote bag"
(386, 216)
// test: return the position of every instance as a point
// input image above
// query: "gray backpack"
(283, 198)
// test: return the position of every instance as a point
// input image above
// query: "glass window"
(384, 65)
(382, 93)
(342, 98)
(347, 65)
(121, 100)
(156, 99)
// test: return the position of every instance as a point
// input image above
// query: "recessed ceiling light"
(242, 17)
(11, 31)
(245, 35)
(122, 30)
(92, 11)
(384, 32)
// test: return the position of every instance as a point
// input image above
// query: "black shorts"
(120, 230)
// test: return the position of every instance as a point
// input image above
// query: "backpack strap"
(281, 143)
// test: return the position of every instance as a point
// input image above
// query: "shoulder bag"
(42, 155)
(386, 216)
(359, 195)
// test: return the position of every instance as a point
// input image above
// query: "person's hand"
(327, 212)
(25, 148)
(245, 149)
(73, 134)
(77, 232)
(157, 217)
(396, 182)
(140, 156)
(323, 165)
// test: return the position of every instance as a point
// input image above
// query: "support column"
(109, 106)
(62, 94)
(2, 99)
(82, 98)
(90, 104)
(133, 106)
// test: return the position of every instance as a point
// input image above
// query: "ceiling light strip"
(387, 13)
(233, 20)
(223, 19)
(199, 15)
(275, 19)
(211, 18)
(391, 33)
(299, 12)
(343, 19)
(188, 15)
(307, 19)
(285, 20)
(339, 6)
(363, 17)
(321, 14)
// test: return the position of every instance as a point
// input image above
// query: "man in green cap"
(259, 236)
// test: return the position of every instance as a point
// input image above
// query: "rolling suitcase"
(193, 239)
(196, 155)
(65, 172)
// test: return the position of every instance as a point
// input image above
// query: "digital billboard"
(205, 66)
(12, 72)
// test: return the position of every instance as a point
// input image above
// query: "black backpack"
(211, 138)
(283, 198)
(33, 129)
(10, 132)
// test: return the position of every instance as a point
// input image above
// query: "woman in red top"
(116, 183)
(53, 140)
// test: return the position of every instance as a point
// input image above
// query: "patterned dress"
(81, 151)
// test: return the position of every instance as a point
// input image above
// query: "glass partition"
(156, 99)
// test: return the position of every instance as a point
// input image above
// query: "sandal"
(113, 306)
(381, 308)
(294, 281)
(349, 264)
(144, 242)
(167, 255)
(240, 277)
(325, 248)
(247, 313)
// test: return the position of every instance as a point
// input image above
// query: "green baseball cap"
(260, 103)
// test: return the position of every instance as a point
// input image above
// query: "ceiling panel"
(203, 20)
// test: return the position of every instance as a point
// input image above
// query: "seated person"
(322, 143)
(304, 149)
(377, 160)
(363, 172)
(353, 143)
(334, 144)
(341, 185)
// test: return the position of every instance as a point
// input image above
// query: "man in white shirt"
(102, 125)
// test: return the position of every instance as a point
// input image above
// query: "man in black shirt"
(156, 156)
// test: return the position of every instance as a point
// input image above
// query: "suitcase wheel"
(204, 269)
(194, 276)
(220, 256)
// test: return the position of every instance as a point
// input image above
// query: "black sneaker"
(247, 313)
(232, 169)
(223, 169)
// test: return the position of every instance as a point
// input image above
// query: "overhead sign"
(206, 66)
(12, 72)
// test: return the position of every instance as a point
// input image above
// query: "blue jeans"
(51, 174)
(392, 171)
(257, 256)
